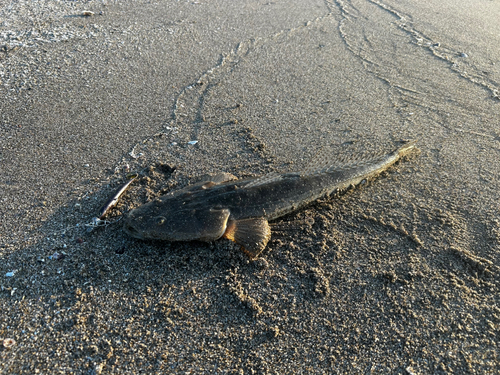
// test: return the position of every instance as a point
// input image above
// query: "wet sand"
(401, 275)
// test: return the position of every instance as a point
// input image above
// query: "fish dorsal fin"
(326, 162)
(206, 182)
(216, 179)
(219, 178)
(265, 179)
(253, 234)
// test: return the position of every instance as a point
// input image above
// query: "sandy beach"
(398, 276)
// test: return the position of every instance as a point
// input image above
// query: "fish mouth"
(130, 230)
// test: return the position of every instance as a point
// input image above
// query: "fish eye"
(160, 220)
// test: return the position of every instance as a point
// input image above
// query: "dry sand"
(401, 276)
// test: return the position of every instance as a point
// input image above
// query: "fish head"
(160, 221)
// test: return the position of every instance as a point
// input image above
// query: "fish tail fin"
(252, 234)
(323, 163)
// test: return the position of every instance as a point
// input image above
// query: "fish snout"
(131, 230)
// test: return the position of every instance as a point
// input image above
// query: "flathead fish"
(241, 209)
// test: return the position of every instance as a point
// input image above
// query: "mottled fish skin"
(240, 210)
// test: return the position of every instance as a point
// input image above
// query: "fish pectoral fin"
(253, 234)
(211, 224)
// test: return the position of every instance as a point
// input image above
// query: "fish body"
(240, 210)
